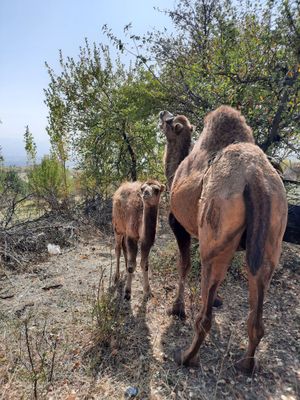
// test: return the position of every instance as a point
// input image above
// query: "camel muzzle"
(165, 115)
(146, 195)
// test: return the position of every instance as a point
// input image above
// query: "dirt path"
(51, 308)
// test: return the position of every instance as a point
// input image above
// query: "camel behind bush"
(134, 216)
(223, 192)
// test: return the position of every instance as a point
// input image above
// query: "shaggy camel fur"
(224, 191)
(134, 215)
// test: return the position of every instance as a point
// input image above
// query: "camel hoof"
(177, 311)
(127, 295)
(148, 295)
(218, 302)
(183, 361)
(116, 278)
(247, 366)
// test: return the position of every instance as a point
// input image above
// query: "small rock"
(53, 249)
(5, 296)
(52, 286)
(131, 392)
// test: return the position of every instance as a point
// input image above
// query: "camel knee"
(203, 324)
(131, 266)
(145, 264)
(127, 294)
(256, 330)
(130, 270)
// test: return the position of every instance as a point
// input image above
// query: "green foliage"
(30, 145)
(108, 116)
(46, 180)
(245, 55)
(11, 183)
(13, 191)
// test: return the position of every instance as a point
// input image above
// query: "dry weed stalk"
(107, 310)
(38, 354)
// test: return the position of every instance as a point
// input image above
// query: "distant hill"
(15, 161)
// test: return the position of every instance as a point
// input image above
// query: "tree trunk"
(133, 172)
(274, 135)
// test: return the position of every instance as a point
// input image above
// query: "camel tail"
(258, 209)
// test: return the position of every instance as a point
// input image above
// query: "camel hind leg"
(258, 285)
(255, 323)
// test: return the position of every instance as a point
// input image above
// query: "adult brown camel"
(224, 190)
(134, 217)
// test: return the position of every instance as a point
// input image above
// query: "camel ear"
(193, 128)
(178, 128)
(162, 188)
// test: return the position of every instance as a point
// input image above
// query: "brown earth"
(51, 345)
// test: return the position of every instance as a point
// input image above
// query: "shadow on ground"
(128, 358)
(216, 376)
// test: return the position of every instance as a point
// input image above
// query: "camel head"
(175, 127)
(151, 191)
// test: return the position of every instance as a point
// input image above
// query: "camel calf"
(134, 218)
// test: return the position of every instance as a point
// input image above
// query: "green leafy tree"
(108, 113)
(30, 146)
(247, 56)
(46, 181)
(13, 191)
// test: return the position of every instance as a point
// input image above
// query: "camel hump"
(258, 214)
(224, 126)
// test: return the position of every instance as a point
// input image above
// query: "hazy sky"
(32, 32)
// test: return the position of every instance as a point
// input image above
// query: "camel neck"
(174, 154)
(149, 224)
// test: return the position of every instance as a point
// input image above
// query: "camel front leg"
(132, 248)
(145, 250)
(183, 266)
(124, 251)
(118, 245)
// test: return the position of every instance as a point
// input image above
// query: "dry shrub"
(108, 314)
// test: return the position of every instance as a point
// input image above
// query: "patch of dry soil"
(56, 300)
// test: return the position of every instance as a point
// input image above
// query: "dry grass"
(105, 345)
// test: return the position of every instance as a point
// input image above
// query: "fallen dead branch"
(27, 242)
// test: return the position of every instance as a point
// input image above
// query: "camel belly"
(185, 196)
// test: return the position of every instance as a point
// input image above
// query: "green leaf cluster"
(46, 181)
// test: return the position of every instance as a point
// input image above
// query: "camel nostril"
(169, 120)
